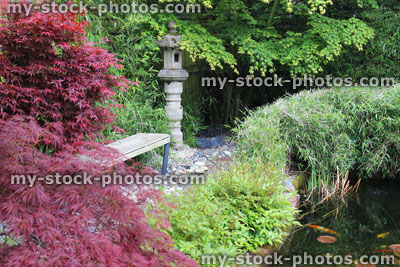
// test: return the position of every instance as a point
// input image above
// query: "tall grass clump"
(341, 129)
(136, 115)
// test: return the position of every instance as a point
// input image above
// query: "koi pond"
(365, 226)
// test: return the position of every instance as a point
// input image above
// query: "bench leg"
(165, 161)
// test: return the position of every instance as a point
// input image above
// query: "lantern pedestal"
(173, 76)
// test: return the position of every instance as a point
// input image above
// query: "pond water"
(366, 225)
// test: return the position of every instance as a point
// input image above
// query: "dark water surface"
(374, 210)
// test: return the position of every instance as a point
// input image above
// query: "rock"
(290, 185)
(300, 181)
(188, 161)
(183, 152)
(200, 164)
(265, 251)
(210, 142)
(227, 153)
(200, 171)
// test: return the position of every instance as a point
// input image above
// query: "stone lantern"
(173, 76)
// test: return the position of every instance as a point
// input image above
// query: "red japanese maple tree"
(51, 73)
(51, 84)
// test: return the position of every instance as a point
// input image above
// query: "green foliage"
(200, 45)
(350, 129)
(259, 137)
(238, 210)
(192, 124)
(257, 37)
(7, 238)
(131, 39)
(381, 56)
(136, 115)
(262, 37)
(251, 35)
(242, 37)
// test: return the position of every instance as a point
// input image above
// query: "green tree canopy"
(257, 36)
(261, 36)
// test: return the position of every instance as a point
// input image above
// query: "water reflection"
(367, 224)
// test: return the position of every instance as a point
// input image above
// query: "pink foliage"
(51, 73)
(50, 82)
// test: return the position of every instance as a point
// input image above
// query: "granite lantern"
(173, 76)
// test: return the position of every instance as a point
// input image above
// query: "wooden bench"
(138, 144)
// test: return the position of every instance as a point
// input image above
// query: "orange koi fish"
(382, 250)
(323, 229)
(383, 235)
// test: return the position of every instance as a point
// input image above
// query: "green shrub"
(381, 56)
(137, 115)
(192, 124)
(238, 210)
(356, 129)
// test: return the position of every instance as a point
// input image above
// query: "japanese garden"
(199, 133)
